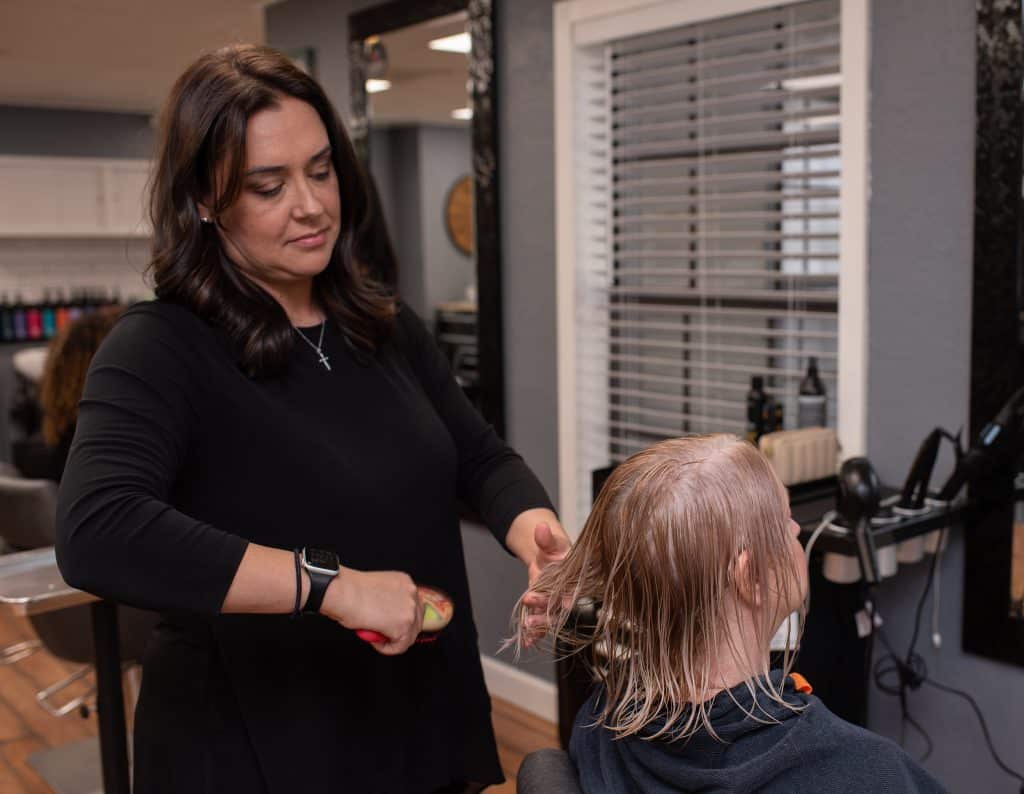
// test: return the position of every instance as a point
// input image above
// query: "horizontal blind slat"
(737, 330)
(696, 145)
(703, 347)
(764, 77)
(778, 372)
(762, 97)
(782, 32)
(737, 216)
(783, 57)
(713, 273)
(729, 28)
(779, 299)
(771, 119)
(700, 311)
(768, 156)
(744, 196)
(727, 236)
(722, 179)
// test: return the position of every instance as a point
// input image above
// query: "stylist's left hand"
(537, 538)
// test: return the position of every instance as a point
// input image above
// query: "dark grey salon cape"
(180, 460)
(808, 752)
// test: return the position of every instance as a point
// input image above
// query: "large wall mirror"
(993, 623)
(423, 119)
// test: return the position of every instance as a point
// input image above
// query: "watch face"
(322, 559)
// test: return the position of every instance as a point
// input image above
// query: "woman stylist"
(274, 399)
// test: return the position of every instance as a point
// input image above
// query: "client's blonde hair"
(660, 554)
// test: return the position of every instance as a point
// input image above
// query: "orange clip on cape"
(801, 684)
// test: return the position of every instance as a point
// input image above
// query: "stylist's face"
(284, 224)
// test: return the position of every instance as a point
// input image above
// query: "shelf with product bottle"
(765, 412)
(41, 319)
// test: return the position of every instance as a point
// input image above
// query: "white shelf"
(73, 197)
(74, 234)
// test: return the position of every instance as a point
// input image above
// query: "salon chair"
(547, 771)
(27, 521)
(28, 518)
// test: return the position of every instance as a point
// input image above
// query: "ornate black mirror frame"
(997, 334)
(403, 13)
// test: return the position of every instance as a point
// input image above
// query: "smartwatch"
(322, 566)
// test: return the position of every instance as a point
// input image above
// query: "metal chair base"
(18, 651)
(87, 700)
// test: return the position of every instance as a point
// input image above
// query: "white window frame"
(583, 23)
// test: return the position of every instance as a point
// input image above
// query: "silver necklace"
(318, 347)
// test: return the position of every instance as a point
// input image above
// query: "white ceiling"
(426, 85)
(124, 55)
(111, 54)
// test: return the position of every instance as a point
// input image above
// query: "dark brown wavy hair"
(203, 128)
(67, 361)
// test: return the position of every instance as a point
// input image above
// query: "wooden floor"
(25, 728)
(519, 733)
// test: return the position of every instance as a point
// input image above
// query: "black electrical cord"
(895, 676)
(924, 735)
(984, 727)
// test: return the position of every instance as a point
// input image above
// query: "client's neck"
(739, 658)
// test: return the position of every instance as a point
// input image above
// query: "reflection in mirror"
(420, 158)
(413, 119)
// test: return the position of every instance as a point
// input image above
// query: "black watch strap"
(318, 583)
(322, 566)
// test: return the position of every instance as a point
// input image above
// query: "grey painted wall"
(396, 163)
(382, 171)
(414, 168)
(74, 133)
(446, 154)
(920, 247)
(525, 111)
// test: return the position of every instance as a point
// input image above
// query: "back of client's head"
(67, 363)
(691, 553)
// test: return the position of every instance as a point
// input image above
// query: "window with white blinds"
(707, 224)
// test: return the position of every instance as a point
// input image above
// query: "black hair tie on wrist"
(298, 584)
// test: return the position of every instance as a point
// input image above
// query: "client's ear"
(748, 589)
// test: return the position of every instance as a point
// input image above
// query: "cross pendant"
(323, 360)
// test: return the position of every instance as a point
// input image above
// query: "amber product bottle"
(811, 401)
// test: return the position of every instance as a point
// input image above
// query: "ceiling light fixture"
(462, 114)
(375, 86)
(458, 43)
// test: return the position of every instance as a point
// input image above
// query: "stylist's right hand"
(383, 601)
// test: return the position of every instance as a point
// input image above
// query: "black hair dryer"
(915, 488)
(857, 501)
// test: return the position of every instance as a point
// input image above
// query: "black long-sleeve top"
(180, 460)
